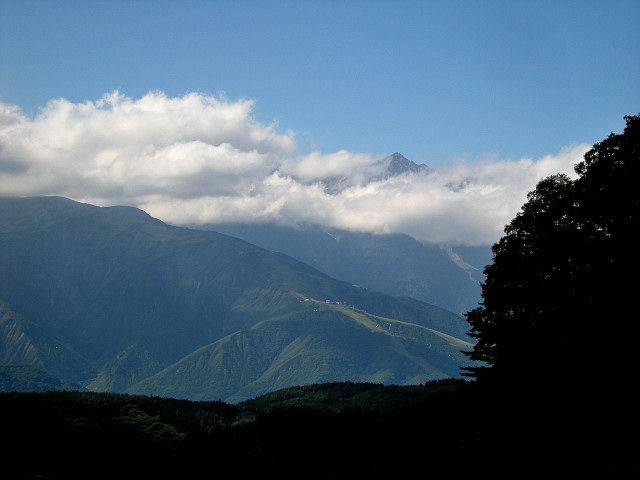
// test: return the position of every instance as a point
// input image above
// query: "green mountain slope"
(114, 297)
(128, 367)
(23, 342)
(318, 343)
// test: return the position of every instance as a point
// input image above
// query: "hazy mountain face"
(114, 298)
(395, 264)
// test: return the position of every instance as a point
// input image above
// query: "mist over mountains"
(393, 263)
(116, 300)
(200, 159)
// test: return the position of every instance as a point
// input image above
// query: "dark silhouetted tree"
(559, 301)
(558, 328)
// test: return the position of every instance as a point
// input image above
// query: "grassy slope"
(23, 342)
(320, 342)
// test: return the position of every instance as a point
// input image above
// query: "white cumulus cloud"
(204, 159)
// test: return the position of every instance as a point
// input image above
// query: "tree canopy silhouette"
(559, 298)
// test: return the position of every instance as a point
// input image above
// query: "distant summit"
(388, 167)
(397, 164)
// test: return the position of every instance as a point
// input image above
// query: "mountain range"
(115, 300)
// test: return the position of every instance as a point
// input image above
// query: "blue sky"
(248, 111)
(433, 80)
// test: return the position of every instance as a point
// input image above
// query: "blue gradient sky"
(433, 80)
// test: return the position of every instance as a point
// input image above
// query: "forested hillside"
(445, 429)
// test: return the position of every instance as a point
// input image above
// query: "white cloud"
(356, 167)
(203, 159)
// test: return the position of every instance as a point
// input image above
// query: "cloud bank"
(203, 159)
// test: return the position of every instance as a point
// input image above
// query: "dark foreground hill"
(445, 429)
(26, 378)
(116, 300)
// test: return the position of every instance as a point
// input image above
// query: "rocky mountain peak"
(398, 164)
